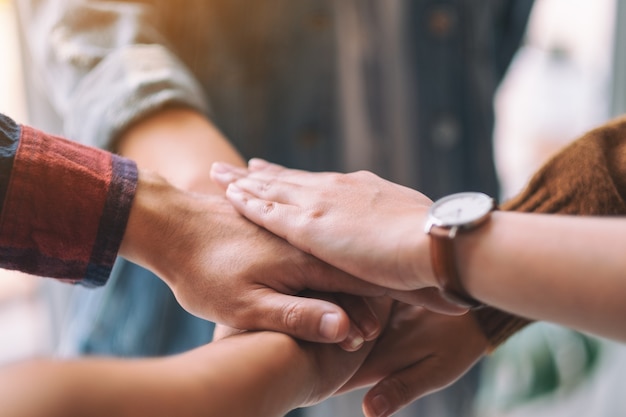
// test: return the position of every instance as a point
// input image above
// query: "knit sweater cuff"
(588, 177)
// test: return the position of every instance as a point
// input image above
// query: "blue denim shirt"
(401, 87)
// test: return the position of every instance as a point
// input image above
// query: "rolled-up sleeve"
(64, 206)
(105, 65)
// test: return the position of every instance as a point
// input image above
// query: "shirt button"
(445, 133)
(442, 21)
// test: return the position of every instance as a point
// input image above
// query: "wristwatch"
(447, 217)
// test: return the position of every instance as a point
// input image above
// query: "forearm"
(568, 270)
(106, 65)
(260, 374)
(179, 144)
(163, 225)
(239, 376)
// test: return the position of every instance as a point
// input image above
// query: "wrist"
(449, 219)
(253, 373)
(156, 203)
(470, 255)
(418, 255)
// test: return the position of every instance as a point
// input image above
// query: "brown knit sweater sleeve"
(588, 177)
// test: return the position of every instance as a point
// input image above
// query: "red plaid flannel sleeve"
(64, 205)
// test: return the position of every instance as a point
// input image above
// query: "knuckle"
(266, 186)
(309, 223)
(334, 176)
(260, 185)
(268, 208)
(292, 317)
(361, 175)
(314, 213)
(446, 375)
(398, 390)
(337, 178)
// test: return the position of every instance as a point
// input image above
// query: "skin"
(238, 376)
(255, 295)
(533, 265)
(157, 240)
(423, 342)
(297, 206)
(242, 275)
(304, 227)
(429, 351)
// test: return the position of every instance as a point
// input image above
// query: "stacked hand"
(417, 353)
(220, 266)
(419, 350)
(237, 273)
(317, 213)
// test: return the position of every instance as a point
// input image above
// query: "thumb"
(310, 319)
(401, 388)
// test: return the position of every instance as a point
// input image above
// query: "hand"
(264, 374)
(355, 307)
(418, 353)
(198, 245)
(360, 223)
(333, 367)
(329, 367)
(223, 268)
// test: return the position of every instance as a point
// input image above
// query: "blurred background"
(24, 325)
(563, 82)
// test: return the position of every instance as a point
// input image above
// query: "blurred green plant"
(542, 360)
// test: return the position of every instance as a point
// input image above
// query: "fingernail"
(380, 405)
(257, 163)
(354, 341)
(329, 326)
(220, 168)
(369, 328)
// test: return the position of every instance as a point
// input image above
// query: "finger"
(258, 164)
(309, 319)
(261, 211)
(361, 314)
(354, 341)
(429, 298)
(399, 389)
(280, 219)
(223, 173)
(284, 220)
(274, 189)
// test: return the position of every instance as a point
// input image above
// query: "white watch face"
(462, 209)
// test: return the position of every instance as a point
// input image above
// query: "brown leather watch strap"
(443, 260)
